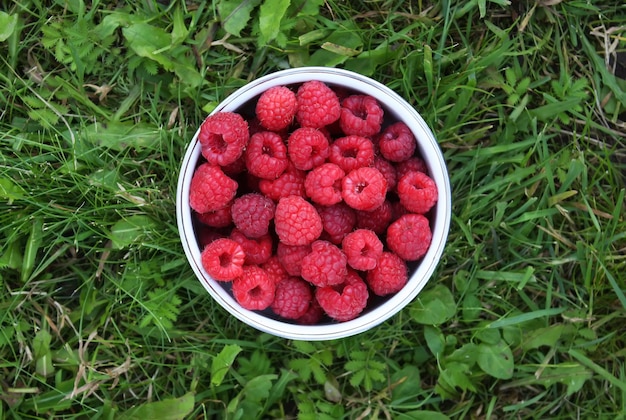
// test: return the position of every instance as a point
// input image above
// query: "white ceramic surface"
(440, 221)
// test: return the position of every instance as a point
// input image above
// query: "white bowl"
(440, 215)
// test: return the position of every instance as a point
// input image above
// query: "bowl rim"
(428, 147)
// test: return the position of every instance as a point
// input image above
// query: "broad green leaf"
(222, 363)
(167, 409)
(235, 14)
(345, 39)
(546, 336)
(129, 230)
(466, 354)
(12, 257)
(120, 135)
(572, 375)
(434, 306)
(434, 339)
(149, 41)
(42, 353)
(258, 389)
(10, 191)
(496, 360)
(7, 25)
(270, 16)
(455, 375)
(179, 31)
(406, 383)
(422, 415)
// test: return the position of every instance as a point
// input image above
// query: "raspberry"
(414, 164)
(338, 220)
(276, 108)
(389, 276)
(313, 315)
(417, 192)
(345, 301)
(258, 250)
(254, 290)
(323, 184)
(364, 189)
(292, 298)
(290, 257)
(388, 170)
(362, 248)
(218, 218)
(351, 152)
(223, 137)
(397, 142)
(409, 236)
(361, 115)
(210, 189)
(318, 105)
(275, 269)
(223, 259)
(252, 214)
(308, 148)
(296, 221)
(290, 182)
(325, 265)
(266, 155)
(376, 220)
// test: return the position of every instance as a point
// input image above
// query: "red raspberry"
(361, 115)
(258, 250)
(389, 276)
(376, 220)
(397, 142)
(218, 218)
(345, 301)
(210, 189)
(290, 182)
(414, 164)
(254, 290)
(223, 136)
(276, 108)
(338, 220)
(318, 105)
(388, 170)
(364, 189)
(252, 214)
(292, 298)
(351, 152)
(290, 257)
(275, 269)
(323, 184)
(362, 248)
(296, 221)
(417, 192)
(325, 265)
(223, 259)
(308, 148)
(313, 315)
(266, 155)
(409, 236)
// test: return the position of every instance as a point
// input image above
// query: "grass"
(101, 316)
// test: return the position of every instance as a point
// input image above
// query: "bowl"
(382, 308)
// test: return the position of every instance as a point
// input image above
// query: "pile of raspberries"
(311, 205)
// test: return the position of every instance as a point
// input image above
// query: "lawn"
(101, 315)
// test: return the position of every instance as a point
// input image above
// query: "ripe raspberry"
(338, 220)
(388, 170)
(414, 164)
(290, 257)
(296, 221)
(258, 250)
(308, 148)
(290, 182)
(223, 259)
(361, 115)
(323, 184)
(397, 142)
(276, 108)
(210, 189)
(376, 220)
(292, 298)
(364, 189)
(254, 290)
(218, 218)
(313, 315)
(325, 265)
(389, 276)
(362, 248)
(351, 152)
(318, 105)
(275, 269)
(252, 214)
(223, 136)
(266, 155)
(345, 301)
(417, 192)
(409, 236)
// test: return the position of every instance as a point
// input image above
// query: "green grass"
(101, 316)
